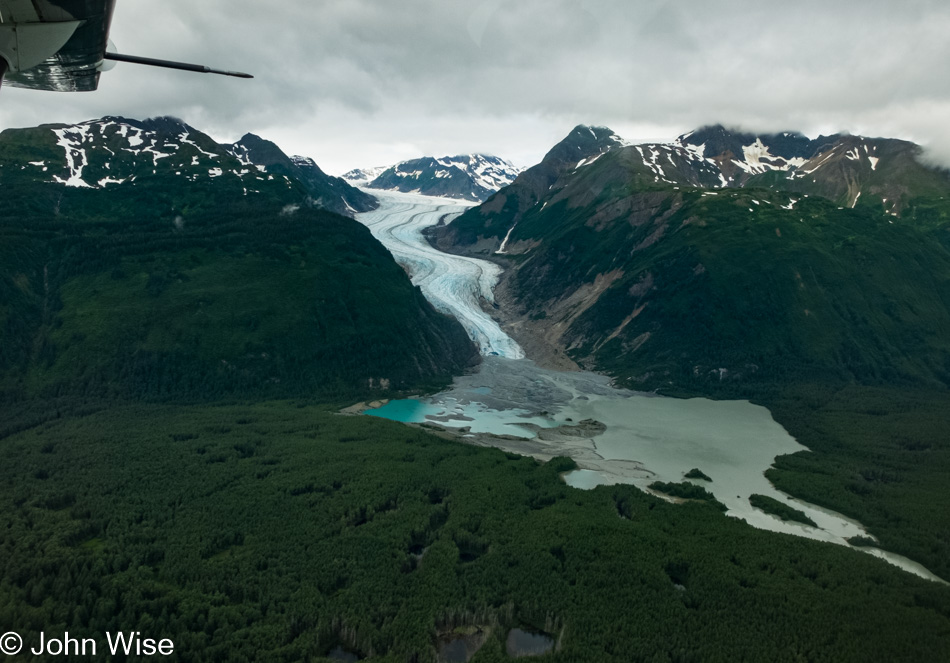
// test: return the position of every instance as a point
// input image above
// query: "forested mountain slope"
(180, 270)
(642, 263)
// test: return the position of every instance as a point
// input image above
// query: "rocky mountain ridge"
(724, 259)
(116, 151)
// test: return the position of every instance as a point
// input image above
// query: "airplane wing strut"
(168, 64)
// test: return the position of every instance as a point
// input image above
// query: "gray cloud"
(367, 82)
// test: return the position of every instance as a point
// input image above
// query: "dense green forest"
(279, 531)
(686, 491)
(880, 455)
(780, 509)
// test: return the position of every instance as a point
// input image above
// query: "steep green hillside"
(244, 300)
(634, 261)
(693, 289)
(276, 532)
(197, 283)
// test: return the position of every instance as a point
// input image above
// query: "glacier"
(455, 285)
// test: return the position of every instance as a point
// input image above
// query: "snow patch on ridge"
(758, 159)
(71, 140)
(588, 161)
(183, 137)
(105, 181)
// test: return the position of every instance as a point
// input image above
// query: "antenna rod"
(152, 62)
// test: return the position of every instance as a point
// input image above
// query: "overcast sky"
(357, 83)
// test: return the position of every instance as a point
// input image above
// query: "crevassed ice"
(455, 285)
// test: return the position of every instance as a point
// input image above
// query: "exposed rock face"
(117, 151)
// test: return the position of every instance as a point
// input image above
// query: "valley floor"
(645, 440)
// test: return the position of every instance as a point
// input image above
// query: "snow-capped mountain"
(327, 192)
(738, 156)
(580, 149)
(840, 167)
(469, 177)
(593, 163)
(361, 176)
(709, 157)
(115, 151)
(886, 171)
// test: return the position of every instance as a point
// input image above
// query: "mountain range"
(724, 259)
(471, 177)
(116, 151)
